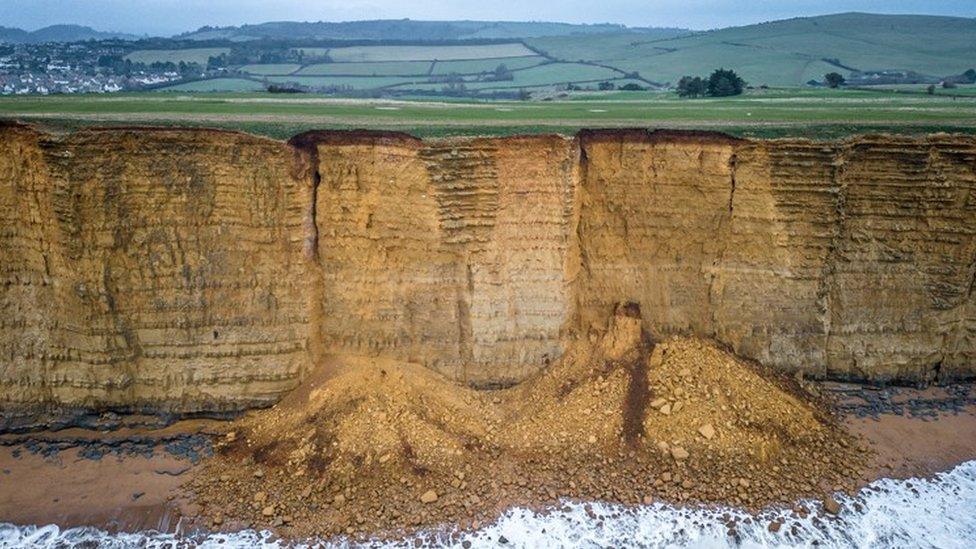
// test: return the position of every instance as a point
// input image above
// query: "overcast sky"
(173, 16)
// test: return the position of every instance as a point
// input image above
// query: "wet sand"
(134, 492)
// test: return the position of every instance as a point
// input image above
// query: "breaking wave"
(938, 512)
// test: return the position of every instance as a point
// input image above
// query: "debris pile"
(372, 447)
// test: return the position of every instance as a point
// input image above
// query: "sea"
(939, 512)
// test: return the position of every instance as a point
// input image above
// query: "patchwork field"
(428, 53)
(788, 52)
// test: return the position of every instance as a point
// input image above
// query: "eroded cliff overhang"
(206, 270)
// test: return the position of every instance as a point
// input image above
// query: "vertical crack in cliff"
(825, 293)
(306, 167)
(722, 232)
(733, 161)
(578, 233)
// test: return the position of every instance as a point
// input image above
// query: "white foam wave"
(935, 513)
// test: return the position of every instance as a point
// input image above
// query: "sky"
(167, 17)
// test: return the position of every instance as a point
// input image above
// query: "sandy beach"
(138, 488)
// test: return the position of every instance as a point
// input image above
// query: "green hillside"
(788, 52)
(408, 29)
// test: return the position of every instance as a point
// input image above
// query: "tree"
(724, 82)
(605, 86)
(503, 73)
(691, 86)
(970, 76)
(930, 89)
(834, 79)
(631, 86)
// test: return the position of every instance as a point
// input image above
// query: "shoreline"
(135, 481)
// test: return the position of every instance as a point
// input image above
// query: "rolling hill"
(785, 53)
(58, 33)
(408, 29)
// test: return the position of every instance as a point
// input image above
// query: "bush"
(631, 87)
(605, 86)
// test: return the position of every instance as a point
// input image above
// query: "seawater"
(937, 513)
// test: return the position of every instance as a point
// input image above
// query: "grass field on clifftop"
(759, 113)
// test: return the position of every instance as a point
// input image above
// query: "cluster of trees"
(721, 83)
(116, 64)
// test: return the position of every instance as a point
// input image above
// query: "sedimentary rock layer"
(203, 270)
(847, 260)
(150, 268)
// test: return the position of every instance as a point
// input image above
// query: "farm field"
(191, 55)
(378, 68)
(787, 52)
(474, 66)
(219, 85)
(428, 53)
(768, 113)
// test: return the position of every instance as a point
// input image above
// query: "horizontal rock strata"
(203, 271)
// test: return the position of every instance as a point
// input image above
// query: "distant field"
(381, 68)
(474, 66)
(218, 85)
(194, 55)
(279, 68)
(788, 52)
(553, 73)
(771, 113)
(427, 53)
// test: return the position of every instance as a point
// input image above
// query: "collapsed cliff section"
(851, 260)
(191, 270)
(380, 446)
(149, 269)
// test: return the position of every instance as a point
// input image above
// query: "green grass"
(770, 113)
(274, 69)
(217, 85)
(786, 53)
(475, 66)
(192, 55)
(382, 68)
(350, 82)
(427, 53)
(968, 90)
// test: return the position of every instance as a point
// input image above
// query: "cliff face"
(150, 269)
(455, 255)
(845, 260)
(201, 270)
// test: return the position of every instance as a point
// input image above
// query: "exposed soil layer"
(373, 448)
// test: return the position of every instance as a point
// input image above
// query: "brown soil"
(379, 447)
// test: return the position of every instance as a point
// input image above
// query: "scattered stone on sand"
(831, 506)
(429, 496)
(707, 431)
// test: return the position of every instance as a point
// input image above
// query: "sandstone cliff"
(144, 268)
(201, 270)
